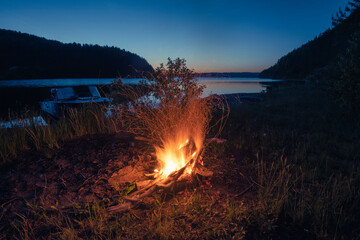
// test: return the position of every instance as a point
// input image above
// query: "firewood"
(159, 184)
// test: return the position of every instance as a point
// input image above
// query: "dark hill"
(25, 56)
(319, 55)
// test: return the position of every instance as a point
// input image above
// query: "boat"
(70, 97)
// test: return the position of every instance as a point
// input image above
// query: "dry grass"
(199, 214)
(169, 106)
(307, 153)
(77, 122)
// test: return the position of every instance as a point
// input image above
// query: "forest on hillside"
(25, 56)
(319, 58)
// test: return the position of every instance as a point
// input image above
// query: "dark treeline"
(25, 56)
(319, 56)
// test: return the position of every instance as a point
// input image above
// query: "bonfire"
(171, 115)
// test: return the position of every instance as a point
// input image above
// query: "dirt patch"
(77, 172)
(95, 168)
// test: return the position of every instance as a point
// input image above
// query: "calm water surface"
(15, 95)
(220, 85)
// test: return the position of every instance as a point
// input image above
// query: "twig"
(2, 213)
(245, 191)
(135, 216)
(63, 182)
(217, 140)
(120, 208)
(254, 182)
(11, 200)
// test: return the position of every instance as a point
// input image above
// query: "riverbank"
(280, 175)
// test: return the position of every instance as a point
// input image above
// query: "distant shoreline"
(230, 74)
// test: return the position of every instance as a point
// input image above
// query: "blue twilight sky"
(243, 35)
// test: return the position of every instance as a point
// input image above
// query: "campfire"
(174, 119)
(179, 158)
(174, 156)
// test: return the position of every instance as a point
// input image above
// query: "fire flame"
(176, 153)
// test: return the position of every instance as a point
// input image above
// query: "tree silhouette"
(318, 57)
(24, 56)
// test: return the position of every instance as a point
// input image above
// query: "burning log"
(161, 183)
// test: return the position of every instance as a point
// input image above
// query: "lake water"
(234, 85)
(221, 85)
(17, 95)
